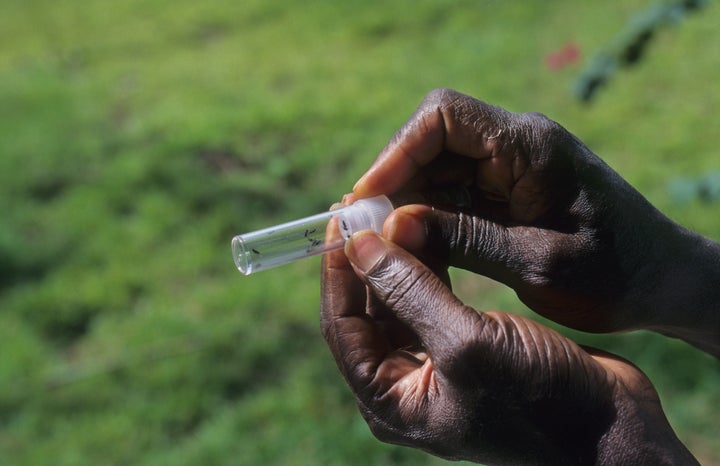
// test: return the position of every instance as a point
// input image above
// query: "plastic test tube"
(280, 244)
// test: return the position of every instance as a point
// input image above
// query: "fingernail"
(358, 183)
(348, 199)
(365, 249)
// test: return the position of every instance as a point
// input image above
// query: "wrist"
(684, 300)
(641, 434)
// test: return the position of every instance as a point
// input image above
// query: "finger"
(471, 242)
(356, 343)
(402, 227)
(406, 227)
(416, 296)
(445, 120)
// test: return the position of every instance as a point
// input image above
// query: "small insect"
(310, 232)
(344, 225)
(256, 251)
(314, 243)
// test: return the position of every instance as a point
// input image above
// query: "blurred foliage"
(138, 137)
(705, 188)
(631, 44)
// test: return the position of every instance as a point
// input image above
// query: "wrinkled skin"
(495, 388)
(577, 244)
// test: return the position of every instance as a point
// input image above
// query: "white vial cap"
(365, 214)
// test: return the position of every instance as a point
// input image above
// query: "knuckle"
(541, 130)
(396, 282)
(449, 103)
(414, 282)
(440, 97)
(325, 327)
(538, 120)
(477, 238)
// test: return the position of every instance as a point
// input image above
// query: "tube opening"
(241, 256)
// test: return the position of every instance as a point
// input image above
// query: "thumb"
(416, 296)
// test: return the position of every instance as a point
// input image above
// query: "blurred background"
(137, 137)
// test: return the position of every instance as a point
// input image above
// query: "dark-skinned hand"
(575, 241)
(432, 373)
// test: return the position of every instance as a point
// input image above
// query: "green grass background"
(137, 137)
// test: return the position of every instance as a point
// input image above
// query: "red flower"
(569, 54)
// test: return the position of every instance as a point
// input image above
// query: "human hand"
(431, 373)
(576, 242)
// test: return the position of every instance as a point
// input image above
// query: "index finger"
(446, 120)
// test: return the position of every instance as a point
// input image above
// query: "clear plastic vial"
(280, 244)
